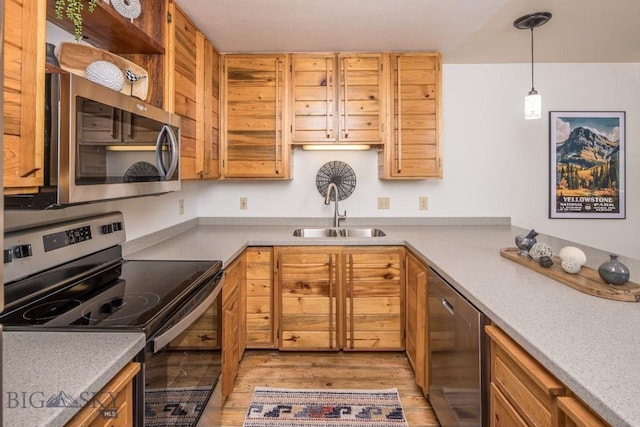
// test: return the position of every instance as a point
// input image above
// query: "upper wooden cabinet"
(254, 101)
(23, 120)
(337, 98)
(413, 149)
(193, 68)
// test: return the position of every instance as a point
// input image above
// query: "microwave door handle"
(173, 152)
(161, 341)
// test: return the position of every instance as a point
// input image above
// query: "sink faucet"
(327, 200)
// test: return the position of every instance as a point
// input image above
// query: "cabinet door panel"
(414, 151)
(24, 88)
(373, 290)
(255, 145)
(308, 298)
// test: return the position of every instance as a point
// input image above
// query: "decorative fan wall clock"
(338, 173)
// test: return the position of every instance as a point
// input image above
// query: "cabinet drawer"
(526, 384)
(503, 414)
(573, 413)
(116, 396)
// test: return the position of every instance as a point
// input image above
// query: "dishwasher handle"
(447, 305)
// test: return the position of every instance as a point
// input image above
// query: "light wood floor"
(358, 370)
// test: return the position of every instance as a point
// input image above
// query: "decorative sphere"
(545, 261)
(106, 74)
(539, 250)
(570, 265)
(571, 252)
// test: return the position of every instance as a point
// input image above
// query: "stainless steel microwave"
(102, 145)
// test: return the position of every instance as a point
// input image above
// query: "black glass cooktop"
(130, 294)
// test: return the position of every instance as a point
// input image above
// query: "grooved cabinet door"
(23, 91)
(196, 66)
(414, 147)
(259, 291)
(337, 98)
(361, 97)
(308, 288)
(255, 144)
(374, 291)
(416, 320)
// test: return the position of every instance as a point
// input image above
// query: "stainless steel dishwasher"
(457, 380)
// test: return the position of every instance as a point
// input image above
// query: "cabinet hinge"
(169, 17)
(291, 68)
(278, 333)
(291, 128)
(381, 67)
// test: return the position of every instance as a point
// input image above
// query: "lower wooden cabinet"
(115, 397)
(332, 298)
(524, 393)
(416, 320)
(233, 323)
(259, 288)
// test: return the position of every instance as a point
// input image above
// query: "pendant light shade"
(533, 101)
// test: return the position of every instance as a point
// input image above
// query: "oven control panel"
(37, 249)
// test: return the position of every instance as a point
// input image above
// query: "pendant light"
(533, 101)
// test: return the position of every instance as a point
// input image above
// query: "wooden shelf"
(587, 280)
(106, 29)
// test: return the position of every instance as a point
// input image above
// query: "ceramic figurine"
(524, 243)
(539, 250)
(613, 271)
(545, 261)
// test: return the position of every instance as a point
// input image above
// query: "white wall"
(495, 163)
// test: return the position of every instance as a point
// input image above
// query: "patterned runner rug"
(300, 408)
(174, 407)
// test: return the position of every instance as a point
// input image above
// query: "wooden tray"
(74, 58)
(587, 280)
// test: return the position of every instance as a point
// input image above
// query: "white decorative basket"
(106, 74)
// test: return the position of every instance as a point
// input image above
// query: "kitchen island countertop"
(43, 371)
(588, 342)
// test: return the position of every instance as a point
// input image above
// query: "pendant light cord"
(532, 87)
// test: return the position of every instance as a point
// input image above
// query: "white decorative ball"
(571, 265)
(538, 250)
(574, 253)
(106, 74)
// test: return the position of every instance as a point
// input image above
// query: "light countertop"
(37, 366)
(589, 343)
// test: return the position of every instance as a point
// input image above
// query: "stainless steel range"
(71, 276)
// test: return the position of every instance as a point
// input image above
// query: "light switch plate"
(423, 203)
(383, 203)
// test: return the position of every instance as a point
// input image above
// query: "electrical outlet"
(243, 203)
(181, 207)
(423, 203)
(383, 203)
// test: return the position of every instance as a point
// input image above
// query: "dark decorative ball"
(545, 261)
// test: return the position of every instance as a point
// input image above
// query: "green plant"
(72, 9)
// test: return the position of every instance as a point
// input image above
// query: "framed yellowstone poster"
(587, 164)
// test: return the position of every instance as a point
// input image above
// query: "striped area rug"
(283, 407)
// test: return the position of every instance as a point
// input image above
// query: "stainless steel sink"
(338, 232)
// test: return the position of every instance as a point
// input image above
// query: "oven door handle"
(161, 341)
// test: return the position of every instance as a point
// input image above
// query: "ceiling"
(465, 31)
